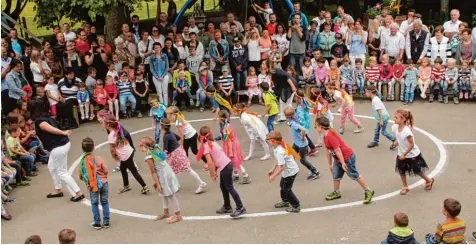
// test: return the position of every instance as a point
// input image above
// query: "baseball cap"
(123, 74)
(225, 68)
(236, 39)
(417, 16)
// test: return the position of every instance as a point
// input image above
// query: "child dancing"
(347, 107)
(157, 112)
(381, 116)
(176, 156)
(232, 147)
(321, 109)
(303, 106)
(255, 129)
(218, 161)
(409, 160)
(165, 181)
(271, 105)
(288, 168)
(344, 160)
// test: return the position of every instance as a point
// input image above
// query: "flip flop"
(174, 219)
(404, 191)
(428, 187)
(51, 195)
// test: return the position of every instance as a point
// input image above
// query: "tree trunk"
(444, 9)
(159, 10)
(114, 19)
(8, 6)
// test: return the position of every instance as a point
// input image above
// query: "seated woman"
(68, 87)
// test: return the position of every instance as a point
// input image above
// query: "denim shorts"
(338, 171)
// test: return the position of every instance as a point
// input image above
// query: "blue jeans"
(382, 129)
(28, 161)
(175, 93)
(410, 92)
(270, 122)
(348, 85)
(360, 84)
(100, 196)
(338, 171)
(302, 151)
(123, 100)
(296, 61)
(157, 132)
(455, 88)
(243, 73)
(462, 84)
(443, 87)
(203, 97)
(311, 80)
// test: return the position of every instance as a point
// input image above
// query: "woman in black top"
(56, 141)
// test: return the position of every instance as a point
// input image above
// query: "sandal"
(6, 217)
(429, 186)
(92, 117)
(404, 191)
(51, 195)
(77, 199)
(10, 199)
(174, 219)
(162, 216)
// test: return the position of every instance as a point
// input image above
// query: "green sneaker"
(293, 209)
(333, 195)
(368, 196)
(22, 184)
(282, 205)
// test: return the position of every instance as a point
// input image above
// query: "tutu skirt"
(411, 166)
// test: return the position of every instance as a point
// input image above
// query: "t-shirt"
(270, 99)
(347, 101)
(90, 84)
(333, 141)
(339, 50)
(290, 166)
(158, 113)
(219, 157)
(297, 134)
(188, 130)
(226, 82)
(452, 232)
(54, 91)
(124, 151)
(171, 142)
(401, 137)
(377, 104)
(13, 143)
(50, 141)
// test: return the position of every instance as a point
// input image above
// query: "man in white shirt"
(452, 26)
(417, 43)
(320, 19)
(192, 27)
(473, 38)
(230, 17)
(404, 25)
(67, 33)
(394, 44)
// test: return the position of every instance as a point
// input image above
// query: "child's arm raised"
(153, 172)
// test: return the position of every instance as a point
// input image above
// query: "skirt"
(178, 161)
(168, 180)
(411, 166)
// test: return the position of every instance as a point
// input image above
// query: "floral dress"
(253, 86)
(228, 133)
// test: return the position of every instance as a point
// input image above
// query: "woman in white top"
(254, 50)
(38, 67)
(156, 36)
(409, 160)
(145, 48)
(280, 37)
(439, 46)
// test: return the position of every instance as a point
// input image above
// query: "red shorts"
(53, 109)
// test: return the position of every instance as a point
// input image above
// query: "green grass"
(29, 14)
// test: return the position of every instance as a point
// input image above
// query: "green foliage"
(377, 9)
(474, 19)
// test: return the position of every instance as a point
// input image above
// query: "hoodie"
(239, 56)
(401, 235)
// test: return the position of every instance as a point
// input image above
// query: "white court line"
(438, 169)
(458, 143)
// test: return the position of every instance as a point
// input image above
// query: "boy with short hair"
(451, 76)
(111, 71)
(358, 74)
(91, 81)
(125, 94)
(239, 60)
(271, 104)
(67, 236)
(385, 77)
(437, 77)
(226, 85)
(17, 152)
(400, 233)
(452, 229)
(317, 54)
(93, 172)
(34, 239)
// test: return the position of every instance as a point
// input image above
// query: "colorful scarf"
(244, 110)
(88, 172)
(157, 154)
(225, 130)
(203, 139)
(220, 100)
(289, 151)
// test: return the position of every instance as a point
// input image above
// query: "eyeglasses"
(155, 30)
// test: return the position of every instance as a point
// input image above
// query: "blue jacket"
(212, 51)
(83, 96)
(313, 41)
(159, 66)
(15, 90)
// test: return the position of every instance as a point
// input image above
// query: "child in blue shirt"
(411, 74)
(300, 142)
(157, 112)
(346, 76)
(83, 100)
(381, 116)
(303, 108)
(182, 88)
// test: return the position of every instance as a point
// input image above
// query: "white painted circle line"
(437, 170)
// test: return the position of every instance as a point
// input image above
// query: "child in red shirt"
(112, 93)
(100, 94)
(372, 71)
(385, 77)
(437, 77)
(397, 71)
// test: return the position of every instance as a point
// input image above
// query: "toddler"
(53, 94)
(112, 71)
(385, 77)
(400, 233)
(397, 72)
(182, 88)
(464, 85)
(346, 76)
(452, 229)
(100, 94)
(451, 76)
(437, 78)
(425, 73)
(83, 101)
(112, 92)
(307, 72)
(358, 75)
(252, 84)
(321, 73)
(411, 75)
(334, 73)
(226, 85)
(372, 71)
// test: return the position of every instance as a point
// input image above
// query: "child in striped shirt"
(473, 82)
(464, 72)
(411, 75)
(125, 94)
(372, 71)
(437, 77)
(452, 230)
(385, 77)
(451, 76)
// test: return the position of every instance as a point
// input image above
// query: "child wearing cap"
(226, 86)
(125, 94)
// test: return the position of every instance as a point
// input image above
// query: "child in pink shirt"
(321, 73)
(425, 75)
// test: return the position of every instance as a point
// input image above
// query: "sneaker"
(106, 225)
(372, 145)
(359, 129)
(224, 210)
(191, 102)
(201, 188)
(238, 212)
(22, 184)
(139, 114)
(96, 226)
(236, 178)
(446, 99)
(197, 104)
(456, 100)
(314, 176)
(124, 189)
(116, 169)
(32, 174)
(82, 118)
(265, 158)
(174, 103)
(341, 132)
(406, 102)
(466, 95)
(293, 209)
(25, 179)
(282, 205)
(144, 190)
(312, 152)
(440, 98)
(431, 98)
(202, 109)
(368, 196)
(245, 180)
(460, 95)
(334, 195)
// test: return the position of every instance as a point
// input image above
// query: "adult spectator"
(5, 66)
(200, 51)
(156, 36)
(172, 53)
(327, 39)
(211, 30)
(451, 26)
(192, 26)
(56, 66)
(102, 44)
(230, 17)
(171, 11)
(456, 39)
(219, 51)
(283, 43)
(124, 31)
(82, 44)
(92, 36)
(15, 82)
(224, 30)
(46, 46)
(266, 11)
(473, 37)
(203, 37)
(56, 30)
(233, 33)
(415, 18)
(297, 43)
(284, 88)
(252, 41)
(465, 50)
(327, 19)
(122, 52)
(341, 14)
(16, 44)
(272, 25)
(406, 23)
(384, 30)
(133, 49)
(163, 25)
(312, 39)
(26, 61)
(159, 67)
(136, 27)
(72, 59)
(265, 45)
(39, 68)
(345, 27)
(205, 79)
(55, 141)
(145, 48)
(97, 57)
(239, 61)
(59, 48)
(68, 34)
(253, 24)
(321, 18)
(394, 44)
(185, 34)
(417, 43)
(357, 40)
(439, 46)
(302, 17)
(68, 87)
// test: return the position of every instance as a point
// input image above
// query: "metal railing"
(23, 32)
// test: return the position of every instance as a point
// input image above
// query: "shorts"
(53, 109)
(338, 171)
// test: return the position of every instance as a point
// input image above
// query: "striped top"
(464, 73)
(438, 74)
(451, 231)
(71, 91)
(372, 73)
(125, 88)
(225, 81)
(440, 49)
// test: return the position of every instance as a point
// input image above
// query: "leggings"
(191, 143)
(173, 200)
(129, 164)
(227, 189)
(348, 112)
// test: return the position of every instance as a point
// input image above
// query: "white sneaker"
(201, 188)
(339, 110)
(358, 130)
(265, 158)
(247, 158)
(423, 96)
(116, 169)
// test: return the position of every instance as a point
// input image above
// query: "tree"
(15, 12)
